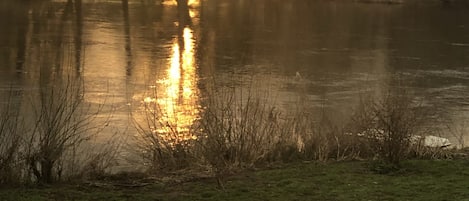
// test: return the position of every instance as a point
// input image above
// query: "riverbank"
(352, 180)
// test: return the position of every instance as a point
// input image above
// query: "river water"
(129, 53)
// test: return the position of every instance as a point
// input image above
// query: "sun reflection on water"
(176, 96)
(174, 2)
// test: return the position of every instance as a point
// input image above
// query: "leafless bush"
(62, 122)
(11, 128)
(237, 130)
(388, 124)
(162, 142)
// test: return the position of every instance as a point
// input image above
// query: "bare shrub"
(11, 128)
(62, 122)
(388, 124)
(161, 141)
(237, 130)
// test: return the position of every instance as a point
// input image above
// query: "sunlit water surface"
(325, 54)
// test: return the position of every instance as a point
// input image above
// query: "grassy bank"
(417, 180)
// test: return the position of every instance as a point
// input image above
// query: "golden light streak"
(188, 65)
(191, 3)
(175, 96)
(170, 3)
(178, 98)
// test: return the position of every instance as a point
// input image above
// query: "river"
(327, 53)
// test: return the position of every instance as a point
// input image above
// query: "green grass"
(418, 180)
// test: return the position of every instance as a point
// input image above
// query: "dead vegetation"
(47, 145)
(237, 129)
(11, 128)
(242, 129)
